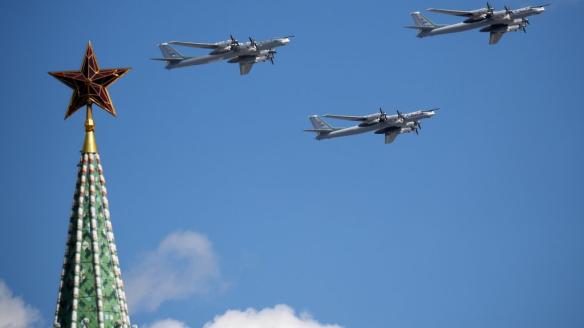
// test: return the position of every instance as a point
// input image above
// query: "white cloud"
(183, 265)
(280, 316)
(14, 313)
(167, 323)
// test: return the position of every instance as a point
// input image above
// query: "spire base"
(89, 145)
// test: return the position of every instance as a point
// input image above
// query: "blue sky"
(477, 222)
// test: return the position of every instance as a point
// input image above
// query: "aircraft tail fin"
(319, 123)
(169, 54)
(319, 126)
(422, 23)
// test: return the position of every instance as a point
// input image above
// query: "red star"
(90, 84)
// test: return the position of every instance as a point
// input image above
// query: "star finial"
(90, 84)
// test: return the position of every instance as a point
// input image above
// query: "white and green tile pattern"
(91, 292)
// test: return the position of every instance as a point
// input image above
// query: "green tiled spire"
(91, 292)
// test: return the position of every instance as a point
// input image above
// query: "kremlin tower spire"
(91, 291)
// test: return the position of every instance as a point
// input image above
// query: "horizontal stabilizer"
(420, 27)
(319, 130)
(168, 59)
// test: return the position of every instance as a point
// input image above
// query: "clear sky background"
(476, 222)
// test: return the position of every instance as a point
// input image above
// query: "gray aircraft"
(380, 123)
(244, 53)
(487, 19)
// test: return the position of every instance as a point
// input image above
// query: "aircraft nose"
(285, 40)
(539, 10)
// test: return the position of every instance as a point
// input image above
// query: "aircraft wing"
(390, 137)
(245, 68)
(463, 13)
(196, 45)
(350, 117)
(494, 37)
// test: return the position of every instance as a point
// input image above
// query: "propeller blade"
(400, 115)
(253, 43)
(382, 115)
(234, 42)
(490, 9)
(416, 131)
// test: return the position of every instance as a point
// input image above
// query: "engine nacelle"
(513, 28)
(262, 58)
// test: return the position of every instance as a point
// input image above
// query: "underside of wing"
(195, 44)
(494, 37)
(463, 13)
(245, 68)
(347, 117)
(390, 137)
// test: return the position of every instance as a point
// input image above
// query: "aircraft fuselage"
(393, 122)
(244, 49)
(499, 17)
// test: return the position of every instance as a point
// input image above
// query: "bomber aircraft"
(380, 123)
(496, 22)
(244, 53)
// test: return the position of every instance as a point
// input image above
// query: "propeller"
(253, 43)
(400, 115)
(234, 43)
(417, 126)
(523, 25)
(509, 12)
(382, 115)
(490, 10)
(271, 54)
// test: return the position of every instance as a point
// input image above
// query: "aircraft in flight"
(244, 53)
(497, 23)
(380, 123)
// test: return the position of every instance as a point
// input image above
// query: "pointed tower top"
(89, 86)
(91, 292)
(90, 83)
